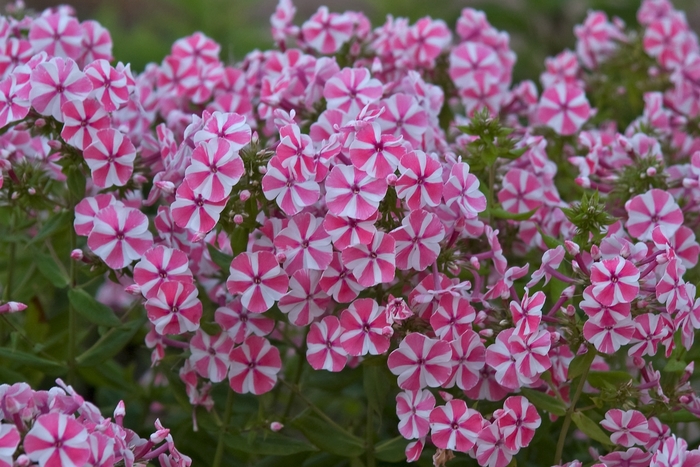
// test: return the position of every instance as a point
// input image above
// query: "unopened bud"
(281, 257)
(685, 399)
(255, 138)
(690, 183)
(486, 332)
(662, 259)
(595, 252)
(377, 65)
(653, 71)
(446, 396)
(133, 289)
(165, 186)
(262, 169)
(651, 171)
(555, 337)
(568, 292)
(15, 195)
(22, 461)
(238, 219)
(391, 179)
(12, 307)
(53, 144)
(570, 310)
(687, 373)
(77, 254)
(583, 182)
(276, 426)
(139, 179)
(120, 410)
(39, 123)
(31, 191)
(625, 250)
(638, 362)
(475, 262)
(454, 269)
(244, 196)
(387, 331)
(572, 248)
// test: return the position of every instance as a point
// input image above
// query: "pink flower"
(229, 126)
(55, 82)
(109, 86)
(161, 264)
(363, 326)
(427, 39)
(462, 191)
(454, 426)
(326, 32)
(655, 207)
(12, 107)
(521, 192)
(351, 89)
(531, 353)
(110, 157)
(517, 422)
(305, 243)
(240, 323)
(119, 235)
(420, 183)
(614, 280)
(254, 366)
(670, 288)
(500, 357)
(418, 240)
(81, 122)
(649, 331)
(210, 355)
(468, 359)
(175, 308)
(96, 43)
(57, 34)
(346, 231)
(452, 317)
(290, 193)
(87, 209)
(551, 260)
(193, 212)
(373, 263)
(296, 151)
(323, 347)
(413, 409)
(491, 447)
(258, 278)
(528, 313)
(564, 108)
(375, 153)
(420, 362)
(607, 333)
(198, 48)
(404, 117)
(470, 59)
(338, 281)
(57, 440)
(9, 440)
(629, 427)
(214, 169)
(353, 193)
(414, 449)
(633, 457)
(305, 300)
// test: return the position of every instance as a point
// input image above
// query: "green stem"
(492, 182)
(10, 272)
(369, 437)
(224, 428)
(72, 318)
(311, 405)
(569, 413)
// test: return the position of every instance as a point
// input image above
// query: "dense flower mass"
(507, 263)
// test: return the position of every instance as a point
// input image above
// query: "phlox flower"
(254, 366)
(12, 106)
(57, 34)
(454, 426)
(57, 440)
(468, 359)
(305, 244)
(462, 191)
(373, 263)
(210, 355)
(418, 240)
(324, 350)
(326, 32)
(291, 194)
(420, 362)
(629, 427)
(258, 279)
(413, 409)
(564, 108)
(351, 89)
(517, 422)
(376, 153)
(175, 308)
(420, 183)
(239, 323)
(338, 281)
(353, 193)
(521, 192)
(55, 82)
(364, 324)
(158, 265)
(110, 157)
(614, 280)
(109, 86)
(452, 317)
(492, 450)
(81, 122)
(119, 235)
(305, 300)
(653, 208)
(214, 169)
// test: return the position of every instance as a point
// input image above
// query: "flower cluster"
(59, 428)
(386, 196)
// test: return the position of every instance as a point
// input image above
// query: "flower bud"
(651, 171)
(281, 257)
(165, 186)
(276, 426)
(638, 362)
(570, 310)
(255, 138)
(475, 262)
(53, 144)
(568, 292)
(391, 179)
(625, 250)
(262, 169)
(12, 307)
(139, 179)
(446, 396)
(486, 332)
(22, 461)
(572, 248)
(238, 219)
(15, 195)
(133, 289)
(39, 123)
(120, 411)
(31, 191)
(77, 254)
(595, 252)
(245, 195)
(583, 182)
(387, 331)
(377, 65)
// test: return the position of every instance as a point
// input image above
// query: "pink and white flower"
(413, 409)
(351, 89)
(175, 308)
(305, 300)
(110, 157)
(55, 82)
(326, 32)
(258, 279)
(614, 280)
(468, 359)
(119, 235)
(161, 264)
(305, 244)
(462, 192)
(214, 169)
(420, 183)
(653, 208)
(324, 350)
(517, 422)
(57, 440)
(353, 193)
(254, 366)
(364, 326)
(418, 240)
(521, 192)
(109, 86)
(209, 355)
(375, 153)
(81, 122)
(629, 427)
(564, 108)
(454, 426)
(374, 263)
(420, 362)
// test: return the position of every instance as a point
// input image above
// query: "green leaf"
(590, 428)
(677, 417)
(675, 366)
(239, 240)
(376, 385)
(501, 213)
(548, 240)
(92, 310)
(391, 450)
(599, 379)
(268, 444)
(220, 258)
(30, 360)
(580, 363)
(50, 270)
(327, 437)
(76, 183)
(53, 225)
(544, 401)
(110, 344)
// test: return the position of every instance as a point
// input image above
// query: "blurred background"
(143, 30)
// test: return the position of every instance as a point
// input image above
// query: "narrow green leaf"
(391, 450)
(675, 366)
(30, 360)
(598, 379)
(268, 444)
(544, 401)
(678, 417)
(50, 270)
(92, 310)
(110, 344)
(376, 385)
(580, 363)
(53, 225)
(501, 213)
(327, 437)
(548, 240)
(239, 240)
(76, 183)
(590, 428)
(220, 258)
